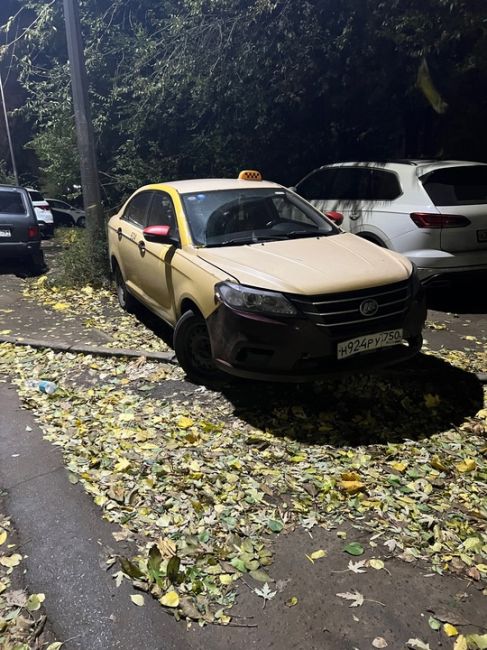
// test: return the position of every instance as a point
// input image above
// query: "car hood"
(342, 262)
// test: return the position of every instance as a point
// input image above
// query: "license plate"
(368, 342)
(5, 232)
(482, 236)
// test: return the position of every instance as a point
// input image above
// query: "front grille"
(340, 312)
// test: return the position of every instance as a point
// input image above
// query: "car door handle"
(119, 233)
(141, 245)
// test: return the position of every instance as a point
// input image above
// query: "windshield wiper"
(255, 239)
(306, 233)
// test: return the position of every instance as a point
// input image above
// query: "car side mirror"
(336, 217)
(159, 235)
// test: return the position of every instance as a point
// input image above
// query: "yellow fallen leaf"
(350, 476)
(184, 422)
(482, 568)
(226, 579)
(315, 555)
(298, 458)
(398, 466)
(467, 465)
(61, 306)
(137, 599)
(437, 463)
(291, 602)
(450, 630)
(55, 646)
(351, 487)
(376, 564)
(6, 332)
(460, 643)
(3, 536)
(171, 599)
(11, 560)
(122, 465)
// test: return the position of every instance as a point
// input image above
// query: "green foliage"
(82, 261)
(186, 88)
(6, 178)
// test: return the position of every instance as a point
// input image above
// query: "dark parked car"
(20, 237)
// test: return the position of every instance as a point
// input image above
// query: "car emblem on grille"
(369, 307)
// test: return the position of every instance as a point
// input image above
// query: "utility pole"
(95, 221)
(9, 137)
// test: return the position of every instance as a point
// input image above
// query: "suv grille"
(340, 312)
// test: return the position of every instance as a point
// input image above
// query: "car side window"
(136, 210)
(384, 186)
(318, 185)
(351, 184)
(162, 213)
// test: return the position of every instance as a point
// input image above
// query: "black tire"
(193, 348)
(81, 223)
(36, 263)
(125, 299)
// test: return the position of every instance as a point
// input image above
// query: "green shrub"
(83, 259)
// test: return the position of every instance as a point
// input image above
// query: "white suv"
(43, 212)
(434, 212)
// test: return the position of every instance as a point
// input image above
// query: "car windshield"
(11, 203)
(457, 185)
(246, 216)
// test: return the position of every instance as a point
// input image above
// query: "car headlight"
(259, 301)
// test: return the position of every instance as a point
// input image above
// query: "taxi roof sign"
(250, 175)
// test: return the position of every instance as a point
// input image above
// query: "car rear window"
(36, 196)
(11, 203)
(457, 185)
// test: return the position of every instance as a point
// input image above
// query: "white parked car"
(66, 214)
(434, 212)
(43, 212)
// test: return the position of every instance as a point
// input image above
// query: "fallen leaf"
(316, 555)
(376, 564)
(417, 644)
(355, 596)
(467, 465)
(379, 642)
(357, 567)
(450, 630)
(137, 599)
(291, 602)
(171, 599)
(354, 548)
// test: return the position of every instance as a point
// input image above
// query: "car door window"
(11, 203)
(351, 184)
(384, 186)
(136, 210)
(161, 213)
(318, 185)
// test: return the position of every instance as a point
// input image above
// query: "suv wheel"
(193, 348)
(126, 300)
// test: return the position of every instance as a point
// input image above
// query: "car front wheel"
(193, 348)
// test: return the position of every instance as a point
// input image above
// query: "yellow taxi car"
(258, 283)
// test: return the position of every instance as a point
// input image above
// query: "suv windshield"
(227, 217)
(11, 203)
(457, 185)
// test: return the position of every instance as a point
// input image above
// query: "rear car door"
(157, 279)
(129, 231)
(460, 192)
(343, 189)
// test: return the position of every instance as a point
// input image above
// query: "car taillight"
(33, 232)
(436, 220)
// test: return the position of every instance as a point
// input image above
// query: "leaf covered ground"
(22, 620)
(203, 480)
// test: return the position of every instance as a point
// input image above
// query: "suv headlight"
(259, 301)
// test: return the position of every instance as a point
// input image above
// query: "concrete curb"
(81, 348)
